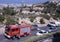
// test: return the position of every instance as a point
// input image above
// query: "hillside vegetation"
(49, 7)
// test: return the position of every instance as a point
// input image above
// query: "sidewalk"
(2, 30)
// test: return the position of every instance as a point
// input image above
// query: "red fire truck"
(17, 31)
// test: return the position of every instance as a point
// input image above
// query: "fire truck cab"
(17, 31)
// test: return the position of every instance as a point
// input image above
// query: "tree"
(31, 8)
(2, 18)
(42, 21)
(58, 9)
(56, 16)
(8, 11)
(50, 7)
(56, 37)
(45, 16)
(21, 10)
(11, 22)
(32, 18)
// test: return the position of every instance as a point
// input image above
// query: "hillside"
(48, 11)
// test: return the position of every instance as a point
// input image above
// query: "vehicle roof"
(43, 30)
(13, 26)
(23, 26)
(18, 26)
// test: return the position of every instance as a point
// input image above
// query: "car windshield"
(52, 28)
(13, 30)
(41, 32)
(7, 29)
(52, 22)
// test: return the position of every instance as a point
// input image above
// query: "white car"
(38, 29)
(54, 24)
(57, 23)
(41, 32)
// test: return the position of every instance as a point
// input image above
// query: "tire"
(13, 37)
(17, 36)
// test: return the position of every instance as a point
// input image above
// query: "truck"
(17, 31)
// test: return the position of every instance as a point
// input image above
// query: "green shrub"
(2, 18)
(56, 16)
(9, 11)
(11, 22)
(45, 16)
(32, 18)
(42, 21)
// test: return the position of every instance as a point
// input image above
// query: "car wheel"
(27, 34)
(49, 25)
(17, 36)
(13, 37)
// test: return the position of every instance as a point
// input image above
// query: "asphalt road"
(48, 39)
(3, 39)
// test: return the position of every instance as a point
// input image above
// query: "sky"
(21, 1)
(55, 0)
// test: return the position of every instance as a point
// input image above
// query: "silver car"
(52, 29)
(41, 32)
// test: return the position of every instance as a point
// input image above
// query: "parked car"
(34, 27)
(38, 29)
(51, 24)
(52, 29)
(56, 23)
(41, 32)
